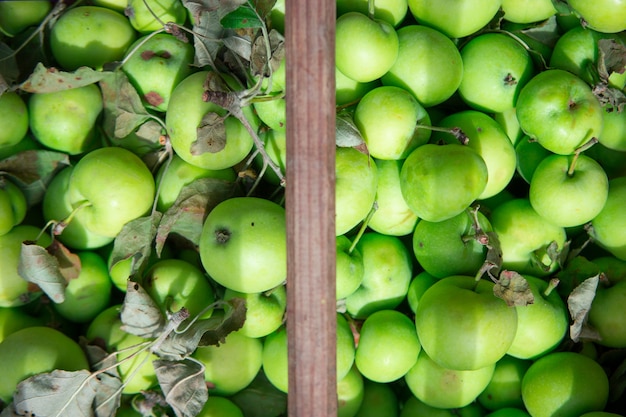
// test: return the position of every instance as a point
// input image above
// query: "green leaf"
(241, 18)
(140, 315)
(514, 289)
(186, 216)
(56, 394)
(183, 385)
(32, 170)
(48, 80)
(579, 303)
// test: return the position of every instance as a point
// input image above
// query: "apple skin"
(566, 383)
(529, 154)
(607, 16)
(141, 14)
(249, 228)
(418, 286)
(365, 48)
(542, 325)
(13, 117)
(525, 237)
(429, 65)
(387, 362)
(349, 91)
(393, 215)
(174, 284)
(440, 181)
(90, 36)
(489, 140)
(568, 200)
(442, 387)
(612, 135)
(356, 181)
(449, 247)
(116, 187)
(387, 266)
(89, 293)
(378, 400)
(505, 387)
(414, 407)
(609, 226)
(16, 16)
(13, 205)
(35, 350)
(184, 114)
(386, 118)
(495, 68)
(231, 366)
(13, 319)
(349, 268)
(462, 325)
(275, 142)
(559, 110)
(455, 18)
(350, 393)
(66, 120)
(528, 11)
(275, 359)
(391, 11)
(14, 290)
(265, 311)
(605, 314)
(216, 406)
(157, 65)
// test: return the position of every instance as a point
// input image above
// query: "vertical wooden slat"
(310, 197)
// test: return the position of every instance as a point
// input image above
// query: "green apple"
(440, 181)
(392, 360)
(527, 11)
(526, 238)
(57, 206)
(35, 350)
(117, 5)
(275, 359)
(174, 284)
(613, 129)
(150, 15)
(90, 36)
(564, 383)
(108, 188)
(365, 48)
(345, 348)
(429, 65)
(349, 269)
(134, 366)
(387, 267)
(417, 287)
(495, 68)
(560, 111)
(391, 11)
(393, 216)
(451, 246)
(105, 329)
(231, 366)
(13, 319)
(505, 387)
(13, 205)
(183, 118)
(216, 406)
(265, 311)
(610, 296)
(348, 91)
(16, 16)
(13, 116)
(173, 177)
(157, 64)
(243, 244)
(489, 140)
(600, 414)
(66, 120)
(386, 118)
(442, 387)
(455, 18)
(609, 227)
(542, 325)
(462, 325)
(350, 393)
(14, 290)
(356, 181)
(88, 294)
(607, 16)
(378, 400)
(508, 412)
(508, 121)
(413, 407)
(529, 153)
(277, 16)
(568, 190)
(27, 143)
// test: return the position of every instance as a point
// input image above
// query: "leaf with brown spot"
(49, 80)
(211, 135)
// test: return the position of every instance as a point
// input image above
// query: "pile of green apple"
(480, 208)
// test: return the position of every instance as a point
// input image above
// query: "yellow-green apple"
(527, 11)
(13, 117)
(150, 15)
(349, 268)
(265, 311)
(505, 387)
(13, 205)
(609, 226)
(18, 15)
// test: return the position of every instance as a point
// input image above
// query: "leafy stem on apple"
(363, 227)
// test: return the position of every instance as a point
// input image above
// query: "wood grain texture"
(310, 203)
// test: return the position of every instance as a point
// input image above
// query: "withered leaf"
(135, 242)
(123, 111)
(140, 315)
(49, 80)
(211, 135)
(513, 289)
(183, 385)
(347, 134)
(579, 303)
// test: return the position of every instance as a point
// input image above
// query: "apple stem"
(371, 8)
(60, 226)
(552, 284)
(454, 131)
(572, 165)
(363, 227)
